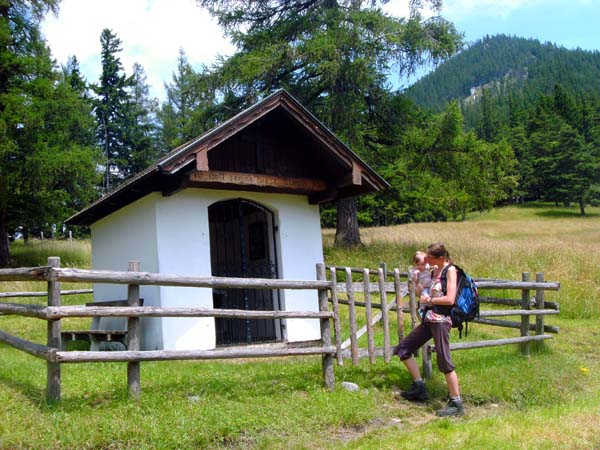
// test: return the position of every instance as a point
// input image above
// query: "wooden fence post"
(369, 316)
(525, 347)
(352, 317)
(336, 317)
(327, 361)
(412, 296)
(399, 315)
(133, 338)
(53, 368)
(412, 299)
(540, 303)
(382, 272)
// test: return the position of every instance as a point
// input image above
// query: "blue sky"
(153, 31)
(571, 24)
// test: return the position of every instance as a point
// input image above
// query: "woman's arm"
(451, 280)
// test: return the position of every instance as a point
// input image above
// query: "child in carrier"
(420, 274)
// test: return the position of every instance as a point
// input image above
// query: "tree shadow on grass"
(565, 214)
(33, 393)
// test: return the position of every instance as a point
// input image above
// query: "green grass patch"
(76, 253)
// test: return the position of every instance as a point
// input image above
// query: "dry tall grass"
(503, 244)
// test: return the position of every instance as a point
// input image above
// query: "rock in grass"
(350, 387)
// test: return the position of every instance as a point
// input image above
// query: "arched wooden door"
(242, 244)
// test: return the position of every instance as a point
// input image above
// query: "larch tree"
(47, 167)
(334, 56)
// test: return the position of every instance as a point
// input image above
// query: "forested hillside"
(508, 64)
(541, 100)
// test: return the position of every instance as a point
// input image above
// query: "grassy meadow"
(550, 400)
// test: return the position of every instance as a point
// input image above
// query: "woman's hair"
(438, 250)
(419, 257)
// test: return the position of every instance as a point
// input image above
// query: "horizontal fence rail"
(361, 271)
(59, 312)
(519, 312)
(511, 324)
(37, 311)
(172, 355)
(522, 285)
(498, 342)
(25, 274)
(41, 351)
(44, 293)
(153, 279)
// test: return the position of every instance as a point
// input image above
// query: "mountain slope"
(508, 62)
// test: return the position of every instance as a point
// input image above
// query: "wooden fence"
(361, 282)
(526, 307)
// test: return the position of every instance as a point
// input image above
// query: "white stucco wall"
(184, 249)
(129, 234)
(171, 235)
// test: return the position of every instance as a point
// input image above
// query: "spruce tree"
(141, 137)
(111, 106)
(190, 106)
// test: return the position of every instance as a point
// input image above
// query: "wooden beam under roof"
(202, 160)
(215, 177)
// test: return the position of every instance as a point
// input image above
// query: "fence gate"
(242, 244)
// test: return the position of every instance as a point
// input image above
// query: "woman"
(436, 324)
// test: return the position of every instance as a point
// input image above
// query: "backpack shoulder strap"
(460, 277)
(444, 277)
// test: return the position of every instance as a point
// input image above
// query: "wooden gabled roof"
(335, 170)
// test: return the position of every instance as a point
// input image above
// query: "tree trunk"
(346, 233)
(4, 249)
(582, 209)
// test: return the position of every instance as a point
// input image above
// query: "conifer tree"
(111, 105)
(47, 168)
(126, 116)
(141, 138)
(489, 125)
(185, 114)
(566, 168)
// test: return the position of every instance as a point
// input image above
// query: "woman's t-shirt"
(436, 291)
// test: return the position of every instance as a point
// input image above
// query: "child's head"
(419, 260)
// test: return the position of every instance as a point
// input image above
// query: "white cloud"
(400, 8)
(503, 8)
(498, 8)
(151, 31)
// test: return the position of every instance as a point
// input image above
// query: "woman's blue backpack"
(466, 304)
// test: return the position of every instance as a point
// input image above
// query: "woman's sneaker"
(417, 392)
(453, 408)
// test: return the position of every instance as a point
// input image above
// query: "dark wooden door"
(242, 244)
